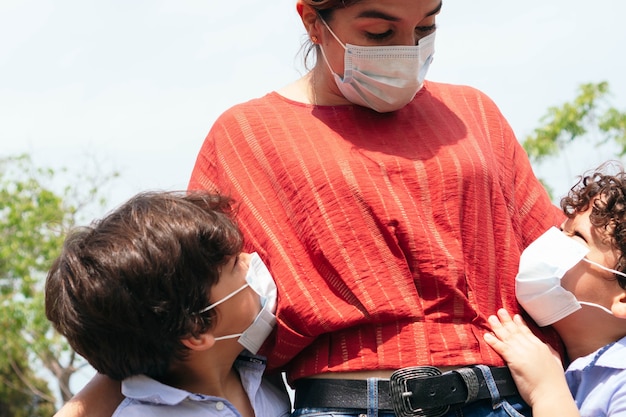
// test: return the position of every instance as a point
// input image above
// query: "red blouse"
(392, 236)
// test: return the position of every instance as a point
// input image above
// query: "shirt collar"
(609, 356)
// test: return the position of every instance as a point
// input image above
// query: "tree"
(589, 111)
(33, 222)
(567, 134)
(21, 393)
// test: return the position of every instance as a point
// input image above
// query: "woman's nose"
(409, 40)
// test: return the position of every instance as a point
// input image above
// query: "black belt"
(415, 391)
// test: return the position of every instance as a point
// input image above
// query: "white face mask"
(383, 78)
(538, 282)
(260, 280)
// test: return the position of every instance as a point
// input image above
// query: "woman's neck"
(317, 87)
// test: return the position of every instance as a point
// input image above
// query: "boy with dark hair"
(575, 280)
(158, 294)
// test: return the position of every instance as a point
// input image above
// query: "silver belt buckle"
(401, 395)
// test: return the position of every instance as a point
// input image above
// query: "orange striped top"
(391, 236)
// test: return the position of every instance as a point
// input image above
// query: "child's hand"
(535, 367)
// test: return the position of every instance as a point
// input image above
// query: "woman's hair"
(128, 288)
(325, 9)
(329, 5)
(607, 193)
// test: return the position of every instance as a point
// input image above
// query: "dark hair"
(329, 5)
(324, 9)
(608, 211)
(127, 289)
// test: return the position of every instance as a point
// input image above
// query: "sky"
(135, 85)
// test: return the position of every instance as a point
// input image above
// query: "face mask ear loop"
(331, 32)
(230, 336)
(322, 48)
(604, 267)
(228, 297)
(608, 270)
(603, 308)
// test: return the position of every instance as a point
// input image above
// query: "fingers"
(507, 331)
(504, 326)
(529, 359)
(497, 340)
(494, 342)
(504, 315)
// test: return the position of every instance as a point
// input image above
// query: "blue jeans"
(512, 406)
(515, 407)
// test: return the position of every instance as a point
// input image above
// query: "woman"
(391, 210)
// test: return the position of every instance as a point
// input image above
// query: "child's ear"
(202, 342)
(619, 305)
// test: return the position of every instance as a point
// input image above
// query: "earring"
(314, 39)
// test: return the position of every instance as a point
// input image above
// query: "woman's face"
(376, 23)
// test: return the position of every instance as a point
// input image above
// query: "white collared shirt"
(598, 381)
(146, 396)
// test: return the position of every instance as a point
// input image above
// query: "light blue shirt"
(148, 397)
(598, 381)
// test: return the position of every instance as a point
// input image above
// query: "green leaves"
(31, 221)
(590, 111)
(34, 219)
(613, 123)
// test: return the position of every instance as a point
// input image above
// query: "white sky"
(138, 83)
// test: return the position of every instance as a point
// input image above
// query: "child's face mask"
(260, 280)
(538, 282)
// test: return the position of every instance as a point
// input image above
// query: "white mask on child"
(260, 280)
(538, 282)
(383, 78)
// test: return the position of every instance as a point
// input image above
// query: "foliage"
(33, 221)
(22, 394)
(590, 111)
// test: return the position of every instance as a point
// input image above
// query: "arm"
(99, 398)
(535, 367)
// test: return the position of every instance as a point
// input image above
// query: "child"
(573, 279)
(159, 295)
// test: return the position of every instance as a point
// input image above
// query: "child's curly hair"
(608, 211)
